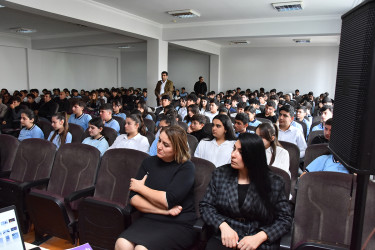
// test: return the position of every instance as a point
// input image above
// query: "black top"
(200, 134)
(242, 191)
(200, 88)
(177, 180)
(273, 119)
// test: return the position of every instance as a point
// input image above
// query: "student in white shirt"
(96, 139)
(289, 133)
(276, 155)
(214, 106)
(219, 147)
(60, 135)
(133, 139)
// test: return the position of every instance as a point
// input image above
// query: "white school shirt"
(210, 115)
(217, 154)
(295, 136)
(138, 142)
(281, 158)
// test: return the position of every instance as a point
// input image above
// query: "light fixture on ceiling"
(239, 42)
(126, 47)
(184, 13)
(307, 40)
(288, 6)
(2, 6)
(23, 30)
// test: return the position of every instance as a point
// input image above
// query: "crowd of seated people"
(227, 126)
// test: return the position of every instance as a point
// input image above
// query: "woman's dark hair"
(254, 157)
(117, 102)
(193, 108)
(97, 122)
(61, 116)
(30, 114)
(227, 123)
(143, 105)
(207, 103)
(138, 120)
(267, 131)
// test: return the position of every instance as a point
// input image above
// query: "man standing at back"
(200, 87)
(164, 86)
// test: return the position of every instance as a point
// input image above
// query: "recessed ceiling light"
(184, 13)
(2, 6)
(239, 42)
(23, 30)
(302, 40)
(288, 6)
(126, 47)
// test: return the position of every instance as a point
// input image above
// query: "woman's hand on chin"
(229, 237)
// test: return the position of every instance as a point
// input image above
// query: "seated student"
(48, 108)
(183, 93)
(269, 112)
(78, 117)
(196, 127)
(218, 147)
(241, 122)
(30, 102)
(240, 109)
(75, 94)
(30, 130)
(166, 120)
(134, 137)
(191, 110)
(142, 106)
(228, 104)
(289, 133)
(165, 101)
(101, 95)
(93, 105)
(301, 116)
(163, 189)
(106, 115)
(191, 99)
(277, 156)
(3, 108)
(182, 111)
(61, 135)
(214, 106)
(63, 102)
(253, 122)
(204, 106)
(327, 133)
(12, 116)
(223, 111)
(255, 104)
(233, 108)
(96, 139)
(245, 202)
(327, 112)
(117, 109)
(325, 163)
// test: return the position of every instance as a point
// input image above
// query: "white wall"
(184, 68)
(24, 68)
(285, 68)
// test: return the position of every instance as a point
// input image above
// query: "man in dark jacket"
(200, 87)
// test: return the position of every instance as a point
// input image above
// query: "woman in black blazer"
(245, 202)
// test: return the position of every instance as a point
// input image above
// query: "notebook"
(10, 232)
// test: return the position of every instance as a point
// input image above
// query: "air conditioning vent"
(184, 13)
(22, 30)
(239, 42)
(288, 6)
(302, 40)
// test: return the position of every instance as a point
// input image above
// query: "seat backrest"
(150, 125)
(324, 208)
(116, 168)
(150, 137)
(46, 127)
(110, 135)
(75, 168)
(193, 143)
(316, 120)
(121, 122)
(34, 160)
(77, 132)
(293, 151)
(153, 116)
(285, 177)
(314, 151)
(263, 120)
(314, 123)
(314, 134)
(183, 125)
(8, 149)
(203, 173)
(304, 127)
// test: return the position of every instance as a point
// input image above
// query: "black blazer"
(221, 204)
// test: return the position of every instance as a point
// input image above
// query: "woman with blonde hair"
(164, 192)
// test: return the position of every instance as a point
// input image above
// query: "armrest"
(286, 241)
(28, 185)
(4, 174)
(321, 245)
(199, 225)
(80, 194)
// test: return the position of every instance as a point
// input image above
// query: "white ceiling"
(49, 29)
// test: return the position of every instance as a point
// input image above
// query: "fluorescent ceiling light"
(23, 30)
(239, 42)
(2, 6)
(288, 6)
(307, 40)
(184, 13)
(126, 47)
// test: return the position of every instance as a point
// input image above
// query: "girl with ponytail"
(60, 135)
